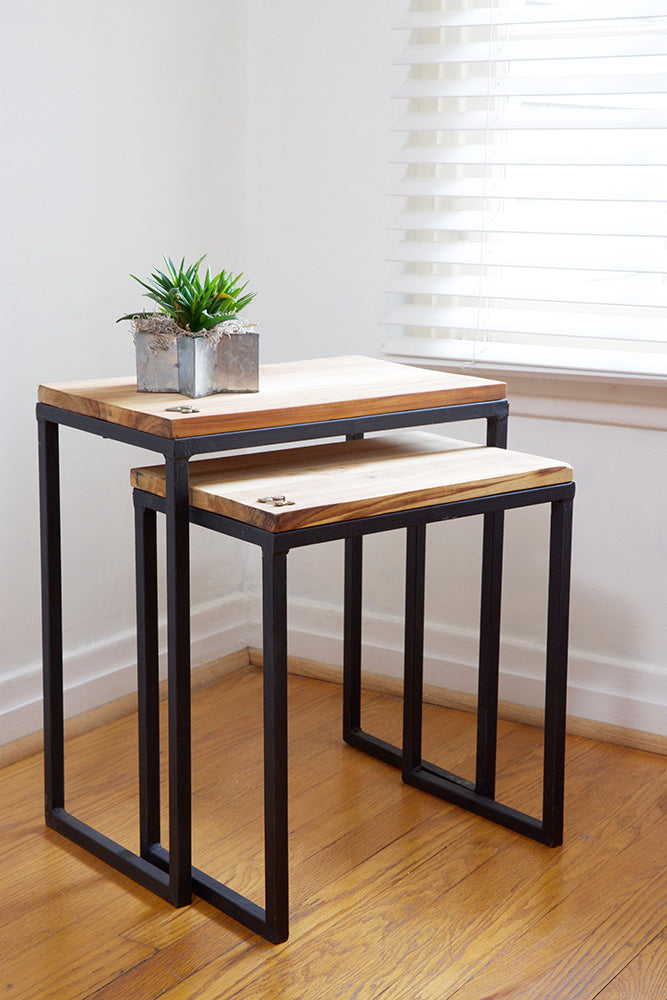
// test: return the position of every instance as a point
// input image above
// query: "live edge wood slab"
(295, 392)
(343, 480)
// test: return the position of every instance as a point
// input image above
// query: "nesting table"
(299, 401)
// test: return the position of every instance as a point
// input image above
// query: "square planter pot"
(157, 361)
(197, 366)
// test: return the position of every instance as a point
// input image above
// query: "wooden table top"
(294, 392)
(343, 480)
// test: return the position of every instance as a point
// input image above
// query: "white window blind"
(533, 185)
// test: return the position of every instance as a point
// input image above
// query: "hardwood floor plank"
(68, 965)
(644, 976)
(360, 935)
(395, 894)
(584, 940)
(418, 940)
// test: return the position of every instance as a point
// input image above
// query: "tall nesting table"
(345, 396)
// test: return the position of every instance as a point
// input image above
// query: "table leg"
(52, 634)
(274, 598)
(489, 630)
(178, 666)
(352, 637)
(271, 921)
(148, 691)
(489, 653)
(496, 430)
(415, 566)
(556, 680)
(352, 629)
(52, 631)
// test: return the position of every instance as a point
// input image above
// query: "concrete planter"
(195, 365)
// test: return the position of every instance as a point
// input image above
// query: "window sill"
(599, 395)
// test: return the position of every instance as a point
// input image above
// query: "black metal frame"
(171, 876)
(477, 797)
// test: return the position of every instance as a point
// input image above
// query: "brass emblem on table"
(278, 500)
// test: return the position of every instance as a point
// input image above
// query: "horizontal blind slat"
(513, 14)
(538, 152)
(589, 254)
(607, 359)
(526, 323)
(554, 221)
(541, 119)
(526, 288)
(534, 50)
(562, 85)
(596, 184)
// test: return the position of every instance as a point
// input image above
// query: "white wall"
(319, 118)
(122, 131)
(280, 170)
(319, 113)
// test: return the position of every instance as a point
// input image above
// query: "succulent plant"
(195, 304)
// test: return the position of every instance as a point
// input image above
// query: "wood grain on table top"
(343, 480)
(290, 393)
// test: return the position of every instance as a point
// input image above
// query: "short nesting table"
(298, 401)
(347, 489)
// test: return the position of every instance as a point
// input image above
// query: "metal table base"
(479, 797)
(172, 877)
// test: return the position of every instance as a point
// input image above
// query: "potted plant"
(195, 343)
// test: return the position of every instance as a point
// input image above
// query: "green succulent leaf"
(193, 304)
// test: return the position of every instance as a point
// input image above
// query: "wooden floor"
(393, 894)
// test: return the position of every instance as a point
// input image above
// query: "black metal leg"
(556, 679)
(52, 631)
(352, 644)
(57, 818)
(275, 744)
(147, 676)
(479, 797)
(272, 920)
(489, 652)
(352, 630)
(178, 659)
(496, 430)
(414, 647)
(352, 637)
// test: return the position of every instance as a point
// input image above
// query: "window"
(532, 228)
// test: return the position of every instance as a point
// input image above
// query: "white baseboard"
(106, 671)
(613, 692)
